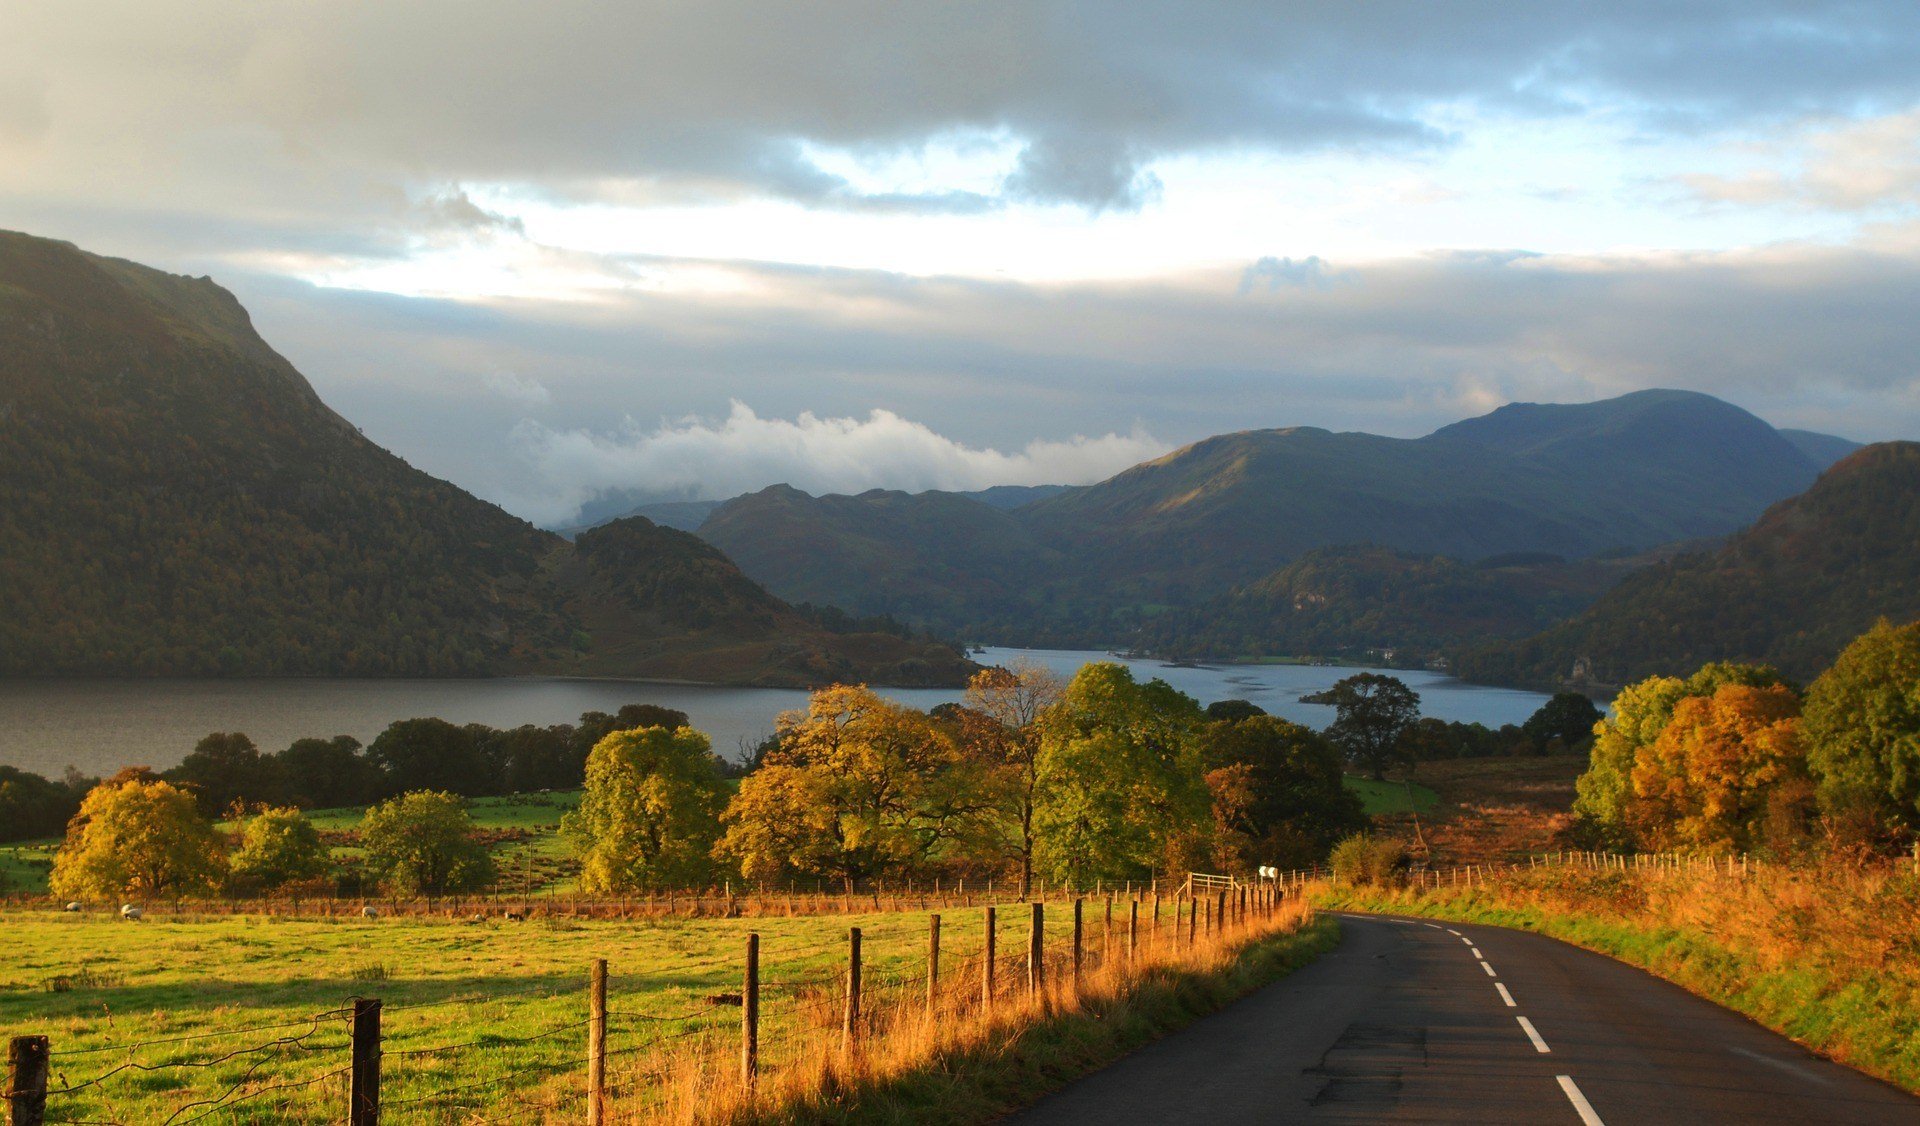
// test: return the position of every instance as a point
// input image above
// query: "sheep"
(74, 906)
(369, 912)
(516, 916)
(129, 911)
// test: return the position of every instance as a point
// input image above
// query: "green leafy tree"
(651, 813)
(423, 842)
(138, 836)
(1862, 730)
(225, 769)
(32, 806)
(1278, 794)
(432, 754)
(1371, 713)
(327, 773)
(1122, 789)
(277, 847)
(1568, 717)
(858, 786)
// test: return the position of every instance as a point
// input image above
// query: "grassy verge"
(975, 1071)
(1827, 957)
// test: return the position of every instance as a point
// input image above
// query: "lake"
(100, 726)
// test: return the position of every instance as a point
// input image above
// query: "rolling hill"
(1791, 591)
(1092, 565)
(176, 500)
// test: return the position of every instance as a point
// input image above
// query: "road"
(1411, 1021)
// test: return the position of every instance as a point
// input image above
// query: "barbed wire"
(203, 1035)
(299, 1041)
(488, 1041)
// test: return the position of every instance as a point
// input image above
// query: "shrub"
(1366, 859)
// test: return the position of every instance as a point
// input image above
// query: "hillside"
(176, 500)
(1813, 573)
(1359, 602)
(1090, 565)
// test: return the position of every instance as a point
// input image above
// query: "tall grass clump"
(1824, 953)
(1366, 860)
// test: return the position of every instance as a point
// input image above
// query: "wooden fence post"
(27, 1066)
(986, 979)
(1077, 932)
(849, 1031)
(363, 1096)
(1133, 927)
(933, 960)
(1193, 917)
(1036, 948)
(1220, 919)
(597, 1043)
(750, 1015)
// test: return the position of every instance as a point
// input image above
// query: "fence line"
(770, 1029)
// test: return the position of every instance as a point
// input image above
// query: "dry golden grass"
(921, 1058)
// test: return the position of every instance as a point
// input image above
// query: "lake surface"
(100, 726)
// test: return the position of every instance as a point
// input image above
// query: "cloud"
(700, 459)
(1273, 273)
(1863, 165)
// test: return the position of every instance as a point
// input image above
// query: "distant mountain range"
(1814, 572)
(176, 500)
(1099, 564)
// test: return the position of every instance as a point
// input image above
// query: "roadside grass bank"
(1828, 956)
(956, 1063)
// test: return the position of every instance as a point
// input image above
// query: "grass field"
(1391, 796)
(97, 984)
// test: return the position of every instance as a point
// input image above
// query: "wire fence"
(716, 1024)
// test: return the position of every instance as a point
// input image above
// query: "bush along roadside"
(1823, 954)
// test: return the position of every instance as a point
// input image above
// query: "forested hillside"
(1096, 564)
(1364, 602)
(175, 499)
(1814, 572)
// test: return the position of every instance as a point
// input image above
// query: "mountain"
(1090, 565)
(1814, 572)
(1821, 449)
(1365, 602)
(176, 500)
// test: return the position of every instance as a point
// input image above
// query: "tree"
(1604, 792)
(1862, 731)
(858, 786)
(1726, 773)
(1234, 710)
(279, 846)
(651, 812)
(225, 769)
(138, 836)
(32, 806)
(432, 754)
(538, 758)
(1568, 717)
(327, 773)
(1121, 786)
(595, 726)
(1278, 794)
(1371, 713)
(1000, 724)
(423, 842)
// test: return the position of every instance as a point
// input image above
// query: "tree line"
(1102, 776)
(1737, 758)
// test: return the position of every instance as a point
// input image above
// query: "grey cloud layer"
(1813, 337)
(344, 104)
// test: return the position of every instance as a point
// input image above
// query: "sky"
(676, 250)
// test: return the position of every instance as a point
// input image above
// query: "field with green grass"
(1391, 796)
(483, 1015)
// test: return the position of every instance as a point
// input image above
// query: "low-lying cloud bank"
(700, 459)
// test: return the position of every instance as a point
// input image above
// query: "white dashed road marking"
(1580, 1104)
(1476, 952)
(1504, 995)
(1489, 970)
(1533, 1034)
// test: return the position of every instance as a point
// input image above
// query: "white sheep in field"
(74, 906)
(129, 911)
(369, 912)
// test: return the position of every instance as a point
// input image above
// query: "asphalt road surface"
(1410, 1021)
